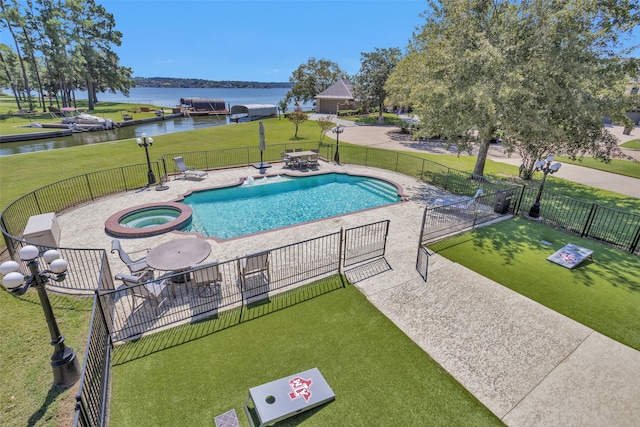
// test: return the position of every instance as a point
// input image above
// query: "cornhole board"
(570, 256)
(288, 396)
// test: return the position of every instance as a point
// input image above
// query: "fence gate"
(422, 263)
(365, 242)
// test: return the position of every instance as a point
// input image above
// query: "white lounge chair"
(183, 169)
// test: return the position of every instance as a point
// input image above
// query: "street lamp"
(66, 368)
(146, 143)
(337, 130)
(545, 167)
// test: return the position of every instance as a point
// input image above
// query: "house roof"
(342, 89)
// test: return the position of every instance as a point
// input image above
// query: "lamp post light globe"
(65, 365)
(146, 142)
(546, 168)
(337, 130)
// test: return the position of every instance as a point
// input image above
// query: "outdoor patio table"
(300, 157)
(178, 254)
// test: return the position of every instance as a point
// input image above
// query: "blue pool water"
(275, 202)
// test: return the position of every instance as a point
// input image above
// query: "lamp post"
(65, 365)
(146, 143)
(337, 130)
(546, 168)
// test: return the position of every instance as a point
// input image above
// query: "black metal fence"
(93, 396)
(453, 217)
(591, 220)
(205, 290)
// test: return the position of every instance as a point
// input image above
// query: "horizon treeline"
(179, 82)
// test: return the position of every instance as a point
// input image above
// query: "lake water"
(163, 97)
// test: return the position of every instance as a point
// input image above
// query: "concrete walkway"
(528, 364)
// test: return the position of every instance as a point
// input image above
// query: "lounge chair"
(183, 169)
(465, 203)
(135, 266)
(207, 277)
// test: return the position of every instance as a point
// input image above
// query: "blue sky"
(255, 40)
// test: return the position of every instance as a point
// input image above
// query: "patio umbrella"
(263, 142)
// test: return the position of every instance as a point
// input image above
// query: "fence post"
(422, 172)
(446, 181)
(35, 197)
(397, 160)
(587, 225)
(341, 252)
(636, 240)
(516, 210)
(86, 177)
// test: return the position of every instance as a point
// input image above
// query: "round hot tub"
(149, 220)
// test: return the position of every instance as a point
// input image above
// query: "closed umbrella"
(263, 143)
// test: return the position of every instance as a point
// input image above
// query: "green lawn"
(26, 396)
(380, 377)
(634, 144)
(603, 294)
(617, 166)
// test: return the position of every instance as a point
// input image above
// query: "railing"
(93, 395)
(212, 288)
(591, 220)
(453, 217)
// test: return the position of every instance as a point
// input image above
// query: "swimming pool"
(274, 202)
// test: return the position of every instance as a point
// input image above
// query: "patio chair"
(313, 161)
(285, 159)
(254, 275)
(298, 150)
(142, 286)
(134, 266)
(207, 277)
(184, 170)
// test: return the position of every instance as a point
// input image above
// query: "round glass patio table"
(178, 254)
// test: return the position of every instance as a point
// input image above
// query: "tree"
(283, 104)
(297, 118)
(325, 123)
(313, 77)
(375, 68)
(546, 72)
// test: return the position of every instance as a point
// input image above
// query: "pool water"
(274, 202)
(149, 217)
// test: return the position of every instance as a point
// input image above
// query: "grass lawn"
(26, 395)
(380, 377)
(617, 166)
(603, 294)
(634, 144)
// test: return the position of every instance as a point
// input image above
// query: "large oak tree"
(545, 71)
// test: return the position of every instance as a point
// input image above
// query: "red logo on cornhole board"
(300, 387)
